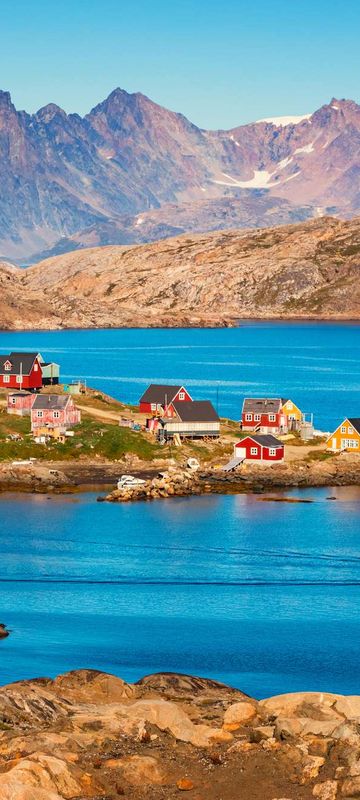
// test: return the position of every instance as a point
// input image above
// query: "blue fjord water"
(262, 595)
(316, 364)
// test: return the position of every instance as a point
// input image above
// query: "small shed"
(260, 448)
(20, 403)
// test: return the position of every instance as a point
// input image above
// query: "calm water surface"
(261, 595)
(265, 596)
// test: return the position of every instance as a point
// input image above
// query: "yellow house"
(292, 412)
(346, 436)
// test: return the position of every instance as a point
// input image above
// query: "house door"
(334, 443)
(240, 452)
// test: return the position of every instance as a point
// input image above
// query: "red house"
(20, 403)
(20, 371)
(260, 448)
(51, 411)
(158, 398)
(264, 415)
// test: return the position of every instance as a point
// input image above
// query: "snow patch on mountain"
(281, 122)
(308, 148)
(259, 181)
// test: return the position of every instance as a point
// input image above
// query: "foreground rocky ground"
(87, 734)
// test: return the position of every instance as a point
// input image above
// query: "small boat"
(129, 482)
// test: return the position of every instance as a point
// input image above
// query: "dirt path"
(99, 413)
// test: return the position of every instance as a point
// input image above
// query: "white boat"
(129, 481)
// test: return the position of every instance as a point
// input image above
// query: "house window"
(39, 414)
(350, 430)
(181, 395)
(56, 414)
(248, 417)
(13, 400)
(36, 367)
(7, 366)
(343, 429)
(153, 406)
(351, 444)
(257, 417)
(272, 418)
(6, 378)
(18, 378)
(290, 406)
(253, 451)
(272, 451)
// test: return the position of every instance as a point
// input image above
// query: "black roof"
(196, 411)
(355, 422)
(266, 440)
(160, 393)
(21, 362)
(51, 401)
(262, 404)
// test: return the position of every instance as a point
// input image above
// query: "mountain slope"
(305, 270)
(75, 181)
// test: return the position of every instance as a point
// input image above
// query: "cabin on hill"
(295, 416)
(346, 436)
(260, 448)
(53, 412)
(158, 397)
(20, 371)
(191, 419)
(50, 372)
(20, 403)
(264, 415)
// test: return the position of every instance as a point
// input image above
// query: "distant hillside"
(305, 270)
(131, 171)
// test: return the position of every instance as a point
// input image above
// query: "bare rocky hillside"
(308, 270)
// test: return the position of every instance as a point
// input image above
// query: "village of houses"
(166, 414)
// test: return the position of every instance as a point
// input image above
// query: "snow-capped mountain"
(132, 171)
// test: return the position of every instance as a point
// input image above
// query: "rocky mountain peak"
(132, 171)
(48, 112)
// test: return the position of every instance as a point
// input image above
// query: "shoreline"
(73, 477)
(195, 324)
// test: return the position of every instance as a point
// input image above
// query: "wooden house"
(50, 372)
(190, 419)
(294, 416)
(158, 397)
(260, 448)
(53, 411)
(346, 436)
(264, 415)
(20, 403)
(20, 371)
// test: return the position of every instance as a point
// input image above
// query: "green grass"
(319, 455)
(90, 438)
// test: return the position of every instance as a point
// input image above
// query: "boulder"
(142, 770)
(42, 772)
(238, 714)
(351, 787)
(326, 790)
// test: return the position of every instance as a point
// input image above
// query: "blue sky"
(220, 63)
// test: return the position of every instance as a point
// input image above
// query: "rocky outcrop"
(171, 483)
(89, 734)
(306, 270)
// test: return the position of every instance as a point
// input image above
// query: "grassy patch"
(90, 438)
(319, 455)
